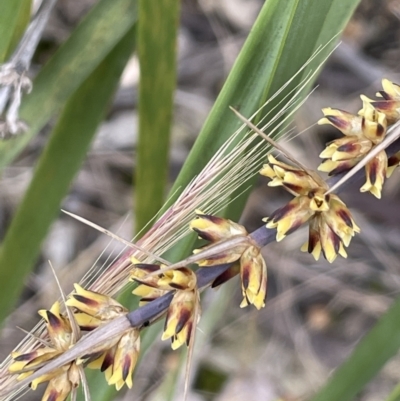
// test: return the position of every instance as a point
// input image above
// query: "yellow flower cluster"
(250, 263)
(331, 226)
(116, 357)
(184, 307)
(61, 381)
(363, 132)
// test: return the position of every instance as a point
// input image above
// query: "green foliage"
(60, 161)
(14, 15)
(157, 32)
(75, 60)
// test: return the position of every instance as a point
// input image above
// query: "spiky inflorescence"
(183, 311)
(331, 228)
(362, 133)
(117, 357)
(249, 261)
(62, 380)
(331, 225)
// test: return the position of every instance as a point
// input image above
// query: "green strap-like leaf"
(367, 359)
(14, 15)
(76, 59)
(57, 166)
(157, 32)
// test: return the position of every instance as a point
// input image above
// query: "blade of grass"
(12, 17)
(157, 42)
(370, 355)
(57, 166)
(395, 394)
(76, 59)
(23, 17)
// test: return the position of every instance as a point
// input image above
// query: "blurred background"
(316, 312)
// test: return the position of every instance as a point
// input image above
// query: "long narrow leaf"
(12, 13)
(157, 33)
(23, 17)
(57, 166)
(88, 45)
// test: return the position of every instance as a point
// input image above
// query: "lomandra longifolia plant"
(90, 329)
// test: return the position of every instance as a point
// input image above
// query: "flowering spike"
(375, 174)
(94, 304)
(331, 224)
(126, 356)
(290, 217)
(373, 123)
(213, 228)
(344, 153)
(233, 271)
(180, 318)
(347, 123)
(58, 389)
(181, 278)
(62, 380)
(389, 104)
(293, 179)
(393, 162)
(254, 278)
(246, 258)
(147, 294)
